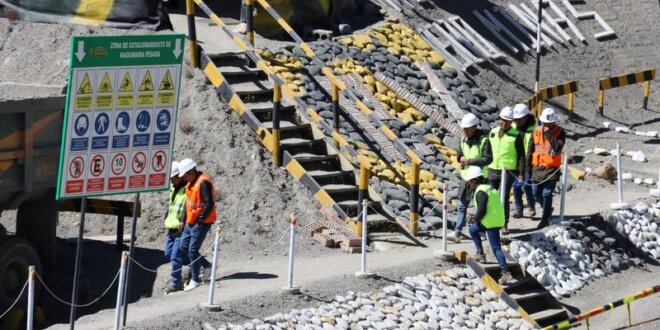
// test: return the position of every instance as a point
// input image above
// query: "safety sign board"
(121, 111)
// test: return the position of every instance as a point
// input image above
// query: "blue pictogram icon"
(142, 121)
(123, 122)
(81, 125)
(101, 124)
(163, 120)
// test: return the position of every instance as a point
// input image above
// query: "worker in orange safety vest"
(544, 159)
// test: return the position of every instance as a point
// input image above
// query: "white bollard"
(564, 181)
(363, 269)
(292, 242)
(503, 186)
(621, 204)
(444, 254)
(120, 288)
(30, 307)
(210, 306)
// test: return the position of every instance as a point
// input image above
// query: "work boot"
(532, 211)
(505, 278)
(544, 223)
(173, 288)
(517, 213)
(480, 257)
(454, 236)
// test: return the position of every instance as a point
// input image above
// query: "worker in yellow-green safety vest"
(174, 220)
(509, 154)
(474, 151)
(525, 122)
(489, 218)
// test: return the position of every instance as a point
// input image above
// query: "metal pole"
(629, 315)
(292, 243)
(249, 21)
(647, 90)
(365, 203)
(277, 98)
(335, 110)
(444, 217)
(363, 192)
(618, 172)
(120, 288)
(538, 46)
(30, 306)
(216, 245)
(76, 269)
(192, 34)
(570, 104)
(564, 178)
(414, 198)
(503, 186)
(601, 101)
(127, 285)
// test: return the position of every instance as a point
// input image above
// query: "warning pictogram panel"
(96, 178)
(104, 90)
(146, 88)
(75, 175)
(84, 91)
(159, 162)
(125, 91)
(167, 77)
(118, 171)
(137, 179)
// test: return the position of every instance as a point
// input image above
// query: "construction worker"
(200, 215)
(174, 221)
(474, 151)
(489, 218)
(525, 123)
(508, 153)
(545, 161)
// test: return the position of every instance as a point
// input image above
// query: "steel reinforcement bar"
(627, 79)
(607, 307)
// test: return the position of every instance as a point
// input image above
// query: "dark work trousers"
(494, 178)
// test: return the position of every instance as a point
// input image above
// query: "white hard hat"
(506, 113)
(473, 172)
(186, 165)
(549, 116)
(175, 169)
(520, 110)
(469, 120)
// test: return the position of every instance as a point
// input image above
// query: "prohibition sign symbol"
(77, 167)
(118, 164)
(158, 161)
(139, 162)
(97, 165)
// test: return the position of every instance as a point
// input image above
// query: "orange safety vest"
(195, 203)
(543, 155)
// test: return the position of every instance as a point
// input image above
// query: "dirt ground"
(256, 198)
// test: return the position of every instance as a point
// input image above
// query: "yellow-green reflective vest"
(177, 208)
(473, 151)
(504, 149)
(528, 136)
(494, 217)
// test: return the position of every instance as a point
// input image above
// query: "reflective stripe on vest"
(177, 208)
(473, 151)
(543, 155)
(494, 217)
(195, 203)
(504, 149)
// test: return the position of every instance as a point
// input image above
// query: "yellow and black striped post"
(192, 33)
(249, 21)
(414, 198)
(570, 103)
(624, 80)
(277, 99)
(363, 185)
(335, 108)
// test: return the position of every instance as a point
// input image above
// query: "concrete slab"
(210, 36)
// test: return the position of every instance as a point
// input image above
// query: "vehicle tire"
(16, 255)
(36, 221)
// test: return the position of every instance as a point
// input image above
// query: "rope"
(78, 305)
(201, 255)
(15, 301)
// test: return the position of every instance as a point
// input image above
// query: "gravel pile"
(641, 224)
(565, 259)
(452, 299)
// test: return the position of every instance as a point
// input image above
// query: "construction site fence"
(607, 307)
(535, 103)
(628, 79)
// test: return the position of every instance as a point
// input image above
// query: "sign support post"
(127, 285)
(76, 268)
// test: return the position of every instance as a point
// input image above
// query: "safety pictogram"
(126, 85)
(166, 84)
(105, 86)
(158, 161)
(101, 124)
(147, 84)
(81, 125)
(97, 165)
(143, 120)
(77, 167)
(85, 86)
(123, 122)
(139, 162)
(118, 164)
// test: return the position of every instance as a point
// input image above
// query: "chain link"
(15, 301)
(201, 255)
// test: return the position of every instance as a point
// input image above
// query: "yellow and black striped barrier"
(535, 103)
(249, 21)
(620, 81)
(414, 198)
(607, 307)
(192, 33)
